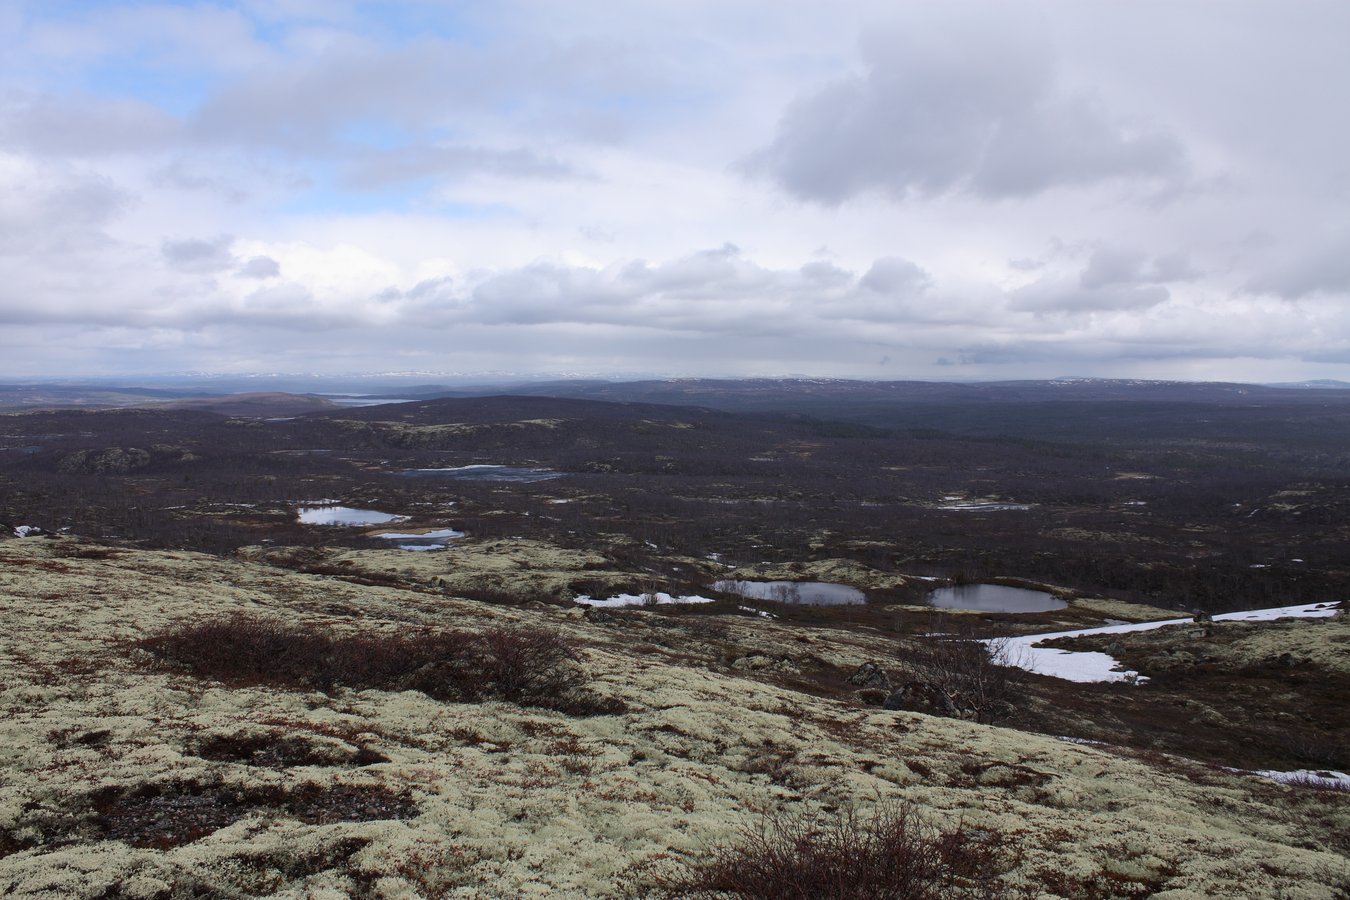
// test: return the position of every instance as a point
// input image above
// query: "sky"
(954, 190)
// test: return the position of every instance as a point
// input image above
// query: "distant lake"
(484, 472)
(807, 593)
(994, 598)
(980, 506)
(352, 400)
(344, 515)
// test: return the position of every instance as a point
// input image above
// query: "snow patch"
(1308, 777)
(444, 533)
(639, 600)
(1090, 666)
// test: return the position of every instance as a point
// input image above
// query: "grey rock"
(870, 675)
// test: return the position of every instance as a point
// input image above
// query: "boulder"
(919, 696)
(870, 675)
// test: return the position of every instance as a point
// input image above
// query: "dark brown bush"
(244, 650)
(526, 663)
(893, 854)
(163, 816)
(963, 678)
(279, 750)
(527, 666)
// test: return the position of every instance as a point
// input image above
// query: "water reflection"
(994, 598)
(807, 593)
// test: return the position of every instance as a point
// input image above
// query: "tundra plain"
(128, 775)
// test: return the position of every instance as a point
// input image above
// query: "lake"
(807, 593)
(994, 598)
(484, 472)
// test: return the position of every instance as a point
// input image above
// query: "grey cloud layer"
(740, 311)
(965, 103)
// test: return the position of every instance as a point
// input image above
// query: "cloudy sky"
(953, 190)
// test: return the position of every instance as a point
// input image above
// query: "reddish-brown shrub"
(242, 650)
(893, 854)
(169, 815)
(527, 666)
(526, 663)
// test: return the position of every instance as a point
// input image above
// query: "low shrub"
(893, 854)
(502, 596)
(163, 816)
(278, 750)
(961, 677)
(526, 666)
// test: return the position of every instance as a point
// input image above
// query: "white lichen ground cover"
(515, 802)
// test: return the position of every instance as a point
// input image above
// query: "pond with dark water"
(994, 598)
(806, 593)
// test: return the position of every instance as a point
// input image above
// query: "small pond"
(807, 593)
(994, 598)
(424, 540)
(343, 515)
(484, 472)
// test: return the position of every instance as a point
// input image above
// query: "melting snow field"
(639, 600)
(1090, 666)
(1308, 777)
(421, 541)
(1328, 778)
(443, 533)
(418, 542)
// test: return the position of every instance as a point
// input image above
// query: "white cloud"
(1019, 188)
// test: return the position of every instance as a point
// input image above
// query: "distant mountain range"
(890, 404)
(1321, 384)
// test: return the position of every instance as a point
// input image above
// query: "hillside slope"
(117, 777)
